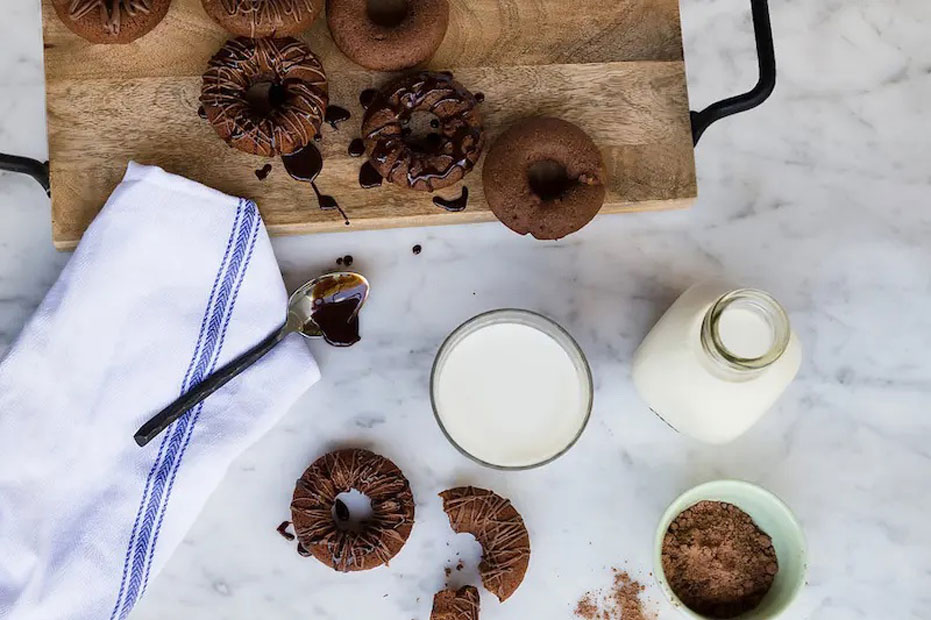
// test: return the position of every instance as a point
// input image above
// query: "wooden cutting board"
(614, 68)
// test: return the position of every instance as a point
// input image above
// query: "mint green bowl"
(772, 516)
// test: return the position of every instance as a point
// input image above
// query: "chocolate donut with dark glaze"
(390, 41)
(567, 204)
(281, 126)
(111, 21)
(377, 539)
(457, 142)
(264, 18)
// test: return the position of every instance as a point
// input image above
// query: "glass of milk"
(511, 389)
(716, 361)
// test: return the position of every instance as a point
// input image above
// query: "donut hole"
(420, 131)
(265, 95)
(386, 13)
(351, 510)
(549, 179)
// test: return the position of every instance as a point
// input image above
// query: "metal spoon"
(326, 307)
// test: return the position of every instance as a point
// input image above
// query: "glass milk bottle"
(716, 361)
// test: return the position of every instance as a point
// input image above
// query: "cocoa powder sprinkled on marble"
(622, 601)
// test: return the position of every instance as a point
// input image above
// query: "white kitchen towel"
(171, 281)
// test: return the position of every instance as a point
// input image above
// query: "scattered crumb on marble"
(621, 601)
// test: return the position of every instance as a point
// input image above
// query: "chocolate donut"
(498, 528)
(264, 18)
(379, 538)
(544, 176)
(461, 604)
(279, 121)
(442, 157)
(403, 34)
(111, 21)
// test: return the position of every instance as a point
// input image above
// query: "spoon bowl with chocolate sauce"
(326, 307)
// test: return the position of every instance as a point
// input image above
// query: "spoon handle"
(160, 421)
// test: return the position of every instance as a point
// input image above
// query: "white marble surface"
(823, 196)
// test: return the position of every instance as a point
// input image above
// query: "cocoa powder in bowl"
(717, 561)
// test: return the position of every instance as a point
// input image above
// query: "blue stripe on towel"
(196, 413)
(164, 441)
(206, 351)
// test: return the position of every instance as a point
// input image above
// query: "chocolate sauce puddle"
(339, 321)
(342, 511)
(304, 553)
(453, 204)
(369, 177)
(283, 530)
(335, 115)
(305, 166)
(336, 307)
(367, 97)
(357, 148)
(262, 173)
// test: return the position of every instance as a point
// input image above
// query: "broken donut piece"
(461, 604)
(498, 528)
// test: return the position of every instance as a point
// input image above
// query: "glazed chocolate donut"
(441, 158)
(404, 35)
(111, 21)
(264, 18)
(279, 122)
(379, 538)
(544, 176)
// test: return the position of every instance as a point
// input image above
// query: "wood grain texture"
(615, 69)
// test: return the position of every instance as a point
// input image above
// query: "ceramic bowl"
(772, 516)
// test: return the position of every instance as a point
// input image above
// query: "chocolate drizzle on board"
(262, 173)
(201, 112)
(369, 177)
(366, 97)
(305, 166)
(453, 204)
(335, 115)
(357, 148)
(438, 160)
(111, 11)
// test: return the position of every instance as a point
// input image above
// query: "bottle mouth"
(745, 330)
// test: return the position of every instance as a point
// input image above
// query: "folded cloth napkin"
(171, 281)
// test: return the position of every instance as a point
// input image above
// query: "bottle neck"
(743, 333)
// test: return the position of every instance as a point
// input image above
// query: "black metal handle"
(24, 165)
(766, 54)
(160, 421)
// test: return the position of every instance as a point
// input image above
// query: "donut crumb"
(621, 601)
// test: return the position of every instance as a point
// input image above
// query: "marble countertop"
(822, 196)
